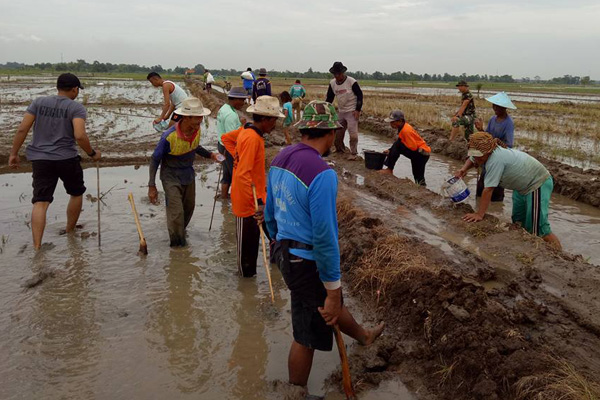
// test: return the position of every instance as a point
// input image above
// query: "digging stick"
(264, 246)
(98, 187)
(346, 379)
(143, 246)
(215, 200)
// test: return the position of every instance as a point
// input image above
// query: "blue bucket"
(456, 189)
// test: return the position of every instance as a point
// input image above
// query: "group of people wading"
(297, 201)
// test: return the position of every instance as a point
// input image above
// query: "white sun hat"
(267, 106)
(192, 107)
(501, 99)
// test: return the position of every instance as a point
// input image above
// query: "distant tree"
(537, 79)
(179, 70)
(157, 68)
(585, 80)
(199, 69)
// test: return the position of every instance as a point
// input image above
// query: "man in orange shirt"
(247, 146)
(409, 144)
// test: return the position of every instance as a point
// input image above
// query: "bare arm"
(21, 135)
(486, 198)
(463, 171)
(462, 108)
(82, 138)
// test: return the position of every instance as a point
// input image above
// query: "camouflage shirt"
(470, 110)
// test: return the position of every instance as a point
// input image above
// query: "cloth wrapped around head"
(482, 143)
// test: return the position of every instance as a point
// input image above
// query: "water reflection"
(64, 331)
(182, 323)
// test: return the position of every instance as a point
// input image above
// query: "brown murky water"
(110, 324)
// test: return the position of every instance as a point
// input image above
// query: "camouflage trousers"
(468, 121)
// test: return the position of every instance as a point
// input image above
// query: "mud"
(467, 326)
(570, 181)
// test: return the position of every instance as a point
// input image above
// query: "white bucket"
(456, 189)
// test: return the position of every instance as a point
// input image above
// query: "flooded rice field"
(534, 97)
(107, 323)
(576, 224)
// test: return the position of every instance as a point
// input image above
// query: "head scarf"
(484, 142)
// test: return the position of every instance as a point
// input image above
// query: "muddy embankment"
(497, 315)
(569, 181)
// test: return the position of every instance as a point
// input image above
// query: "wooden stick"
(143, 246)
(346, 379)
(264, 246)
(98, 187)
(215, 200)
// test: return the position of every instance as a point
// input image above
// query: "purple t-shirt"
(504, 130)
(53, 137)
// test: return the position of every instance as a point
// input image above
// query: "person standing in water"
(58, 123)
(501, 127)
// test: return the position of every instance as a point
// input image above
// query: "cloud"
(20, 37)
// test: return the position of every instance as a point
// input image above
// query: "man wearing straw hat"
(349, 102)
(227, 121)
(175, 155)
(247, 145)
(529, 180)
(501, 127)
(301, 214)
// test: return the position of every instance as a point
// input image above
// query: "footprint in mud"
(269, 311)
(22, 249)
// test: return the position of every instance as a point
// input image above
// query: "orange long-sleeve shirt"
(248, 168)
(411, 139)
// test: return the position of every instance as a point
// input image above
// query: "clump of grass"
(563, 382)
(525, 259)
(391, 260)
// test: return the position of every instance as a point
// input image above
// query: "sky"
(523, 38)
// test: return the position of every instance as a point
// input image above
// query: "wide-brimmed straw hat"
(192, 107)
(501, 99)
(237, 93)
(338, 68)
(267, 106)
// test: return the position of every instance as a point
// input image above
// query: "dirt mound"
(446, 332)
(569, 181)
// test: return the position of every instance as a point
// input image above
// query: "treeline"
(98, 67)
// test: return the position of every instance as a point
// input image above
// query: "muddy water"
(576, 224)
(110, 324)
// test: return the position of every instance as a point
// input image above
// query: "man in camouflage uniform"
(300, 214)
(465, 115)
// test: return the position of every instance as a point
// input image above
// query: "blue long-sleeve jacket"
(301, 206)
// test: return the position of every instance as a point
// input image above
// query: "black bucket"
(374, 159)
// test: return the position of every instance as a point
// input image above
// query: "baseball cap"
(395, 115)
(68, 81)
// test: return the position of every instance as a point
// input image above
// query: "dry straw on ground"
(562, 383)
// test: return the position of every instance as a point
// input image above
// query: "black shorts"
(308, 293)
(175, 117)
(47, 172)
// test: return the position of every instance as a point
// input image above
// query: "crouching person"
(300, 213)
(175, 154)
(512, 169)
(410, 145)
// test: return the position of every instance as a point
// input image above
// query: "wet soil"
(468, 319)
(570, 181)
